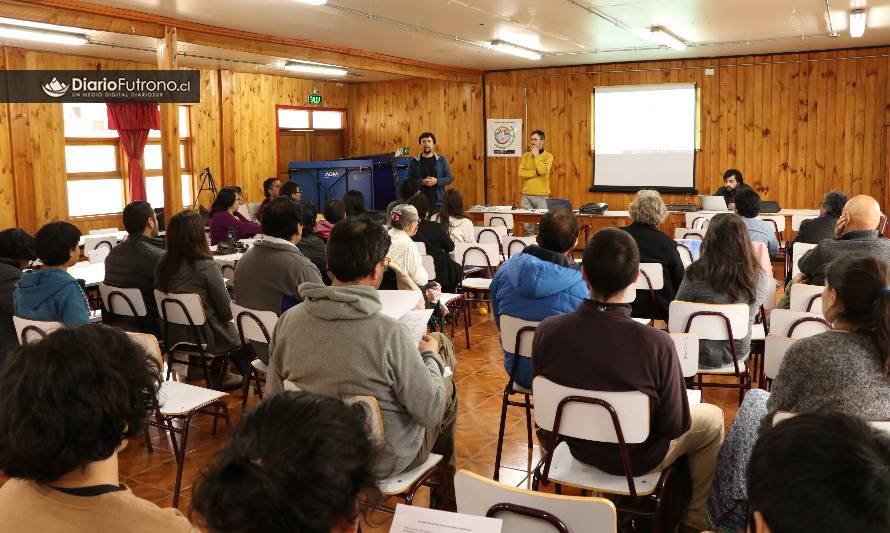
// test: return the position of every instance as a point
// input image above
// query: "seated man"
(52, 294)
(338, 343)
(60, 443)
(312, 246)
(815, 230)
(542, 281)
(292, 190)
(820, 472)
(131, 264)
(274, 267)
(600, 347)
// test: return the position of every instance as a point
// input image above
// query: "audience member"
(334, 211)
(271, 189)
(404, 222)
(453, 217)
(855, 231)
(733, 183)
(59, 442)
(747, 205)
(438, 245)
(292, 190)
(337, 342)
(816, 230)
(430, 171)
(223, 219)
(241, 212)
(312, 246)
(354, 202)
(542, 281)
(274, 267)
(407, 190)
(648, 211)
(820, 472)
(727, 273)
(51, 293)
(579, 350)
(131, 264)
(188, 267)
(313, 474)
(16, 252)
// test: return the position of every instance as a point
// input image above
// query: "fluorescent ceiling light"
(315, 68)
(660, 35)
(857, 23)
(9, 31)
(313, 2)
(515, 50)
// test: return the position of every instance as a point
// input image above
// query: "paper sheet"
(417, 322)
(409, 519)
(397, 303)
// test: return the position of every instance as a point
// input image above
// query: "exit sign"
(314, 98)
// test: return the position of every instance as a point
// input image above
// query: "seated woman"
(404, 222)
(747, 205)
(648, 212)
(314, 473)
(453, 217)
(334, 211)
(60, 443)
(355, 203)
(16, 252)
(188, 267)
(438, 244)
(223, 219)
(727, 273)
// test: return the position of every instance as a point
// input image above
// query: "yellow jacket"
(535, 173)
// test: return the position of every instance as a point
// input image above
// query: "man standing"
(430, 171)
(534, 169)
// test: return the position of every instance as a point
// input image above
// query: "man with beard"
(430, 171)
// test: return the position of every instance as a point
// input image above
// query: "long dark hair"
(727, 261)
(225, 198)
(861, 282)
(354, 202)
(186, 243)
(452, 206)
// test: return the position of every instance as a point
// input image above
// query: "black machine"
(593, 209)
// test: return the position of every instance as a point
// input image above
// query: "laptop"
(553, 202)
(713, 203)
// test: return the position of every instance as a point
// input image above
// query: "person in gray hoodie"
(338, 343)
(16, 251)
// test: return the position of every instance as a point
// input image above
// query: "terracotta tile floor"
(480, 379)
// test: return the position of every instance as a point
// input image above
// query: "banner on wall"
(504, 137)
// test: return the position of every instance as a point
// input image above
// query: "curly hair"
(71, 399)
(298, 462)
(648, 208)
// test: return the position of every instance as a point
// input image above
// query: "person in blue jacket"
(542, 281)
(430, 171)
(52, 294)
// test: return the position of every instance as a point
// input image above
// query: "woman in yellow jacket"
(534, 169)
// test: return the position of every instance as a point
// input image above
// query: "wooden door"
(318, 145)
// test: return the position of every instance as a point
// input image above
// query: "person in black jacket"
(816, 230)
(313, 246)
(733, 183)
(16, 251)
(648, 211)
(438, 245)
(131, 264)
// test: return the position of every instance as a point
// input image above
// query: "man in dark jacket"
(430, 171)
(733, 183)
(131, 264)
(16, 251)
(600, 347)
(816, 230)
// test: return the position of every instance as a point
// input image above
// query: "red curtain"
(132, 120)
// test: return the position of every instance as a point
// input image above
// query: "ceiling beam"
(111, 19)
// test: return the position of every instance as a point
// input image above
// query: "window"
(309, 119)
(152, 162)
(93, 161)
(327, 120)
(293, 119)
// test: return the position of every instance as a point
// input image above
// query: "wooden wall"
(796, 125)
(388, 115)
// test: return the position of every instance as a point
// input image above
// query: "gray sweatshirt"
(337, 343)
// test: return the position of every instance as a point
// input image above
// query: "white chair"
(98, 255)
(103, 231)
(257, 326)
(498, 219)
(798, 250)
(529, 511)
(651, 279)
(488, 235)
(796, 220)
(516, 338)
(245, 211)
(28, 331)
(726, 322)
(429, 264)
(773, 355)
(488, 257)
(806, 298)
(514, 244)
(697, 220)
(620, 418)
(252, 209)
(687, 352)
(118, 301)
(186, 310)
(177, 404)
(797, 324)
(92, 242)
(689, 233)
(685, 254)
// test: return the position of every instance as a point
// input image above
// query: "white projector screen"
(644, 138)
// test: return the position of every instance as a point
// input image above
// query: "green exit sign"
(314, 98)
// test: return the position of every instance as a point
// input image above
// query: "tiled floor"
(480, 379)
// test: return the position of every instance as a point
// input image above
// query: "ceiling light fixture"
(313, 2)
(857, 23)
(661, 35)
(315, 68)
(9, 31)
(515, 50)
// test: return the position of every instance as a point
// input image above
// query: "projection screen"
(644, 137)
